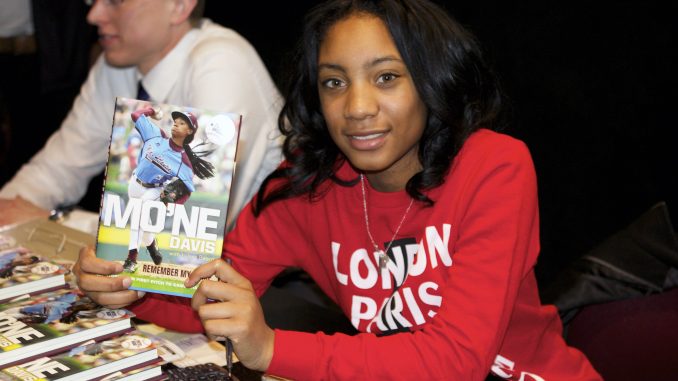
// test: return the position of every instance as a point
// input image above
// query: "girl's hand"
(107, 291)
(236, 314)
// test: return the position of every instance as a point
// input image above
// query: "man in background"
(166, 52)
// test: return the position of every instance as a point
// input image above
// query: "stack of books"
(52, 331)
(23, 272)
(163, 213)
(132, 356)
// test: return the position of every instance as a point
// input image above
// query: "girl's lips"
(367, 142)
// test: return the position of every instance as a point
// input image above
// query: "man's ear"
(182, 10)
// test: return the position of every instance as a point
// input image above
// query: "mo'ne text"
(196, 222)
(13, 331)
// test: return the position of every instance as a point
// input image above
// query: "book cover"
(24, 272)
(166, 191)
(147, 373)
(168, 352)
(93, 360)
(52, 322)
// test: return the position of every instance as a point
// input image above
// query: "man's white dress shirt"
(212, 67)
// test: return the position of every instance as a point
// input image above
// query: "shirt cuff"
(295, 355)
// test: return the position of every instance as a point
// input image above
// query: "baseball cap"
(189, 117)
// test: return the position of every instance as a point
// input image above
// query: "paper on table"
(198, 348)
(83, 220)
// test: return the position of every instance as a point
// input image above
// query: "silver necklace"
(383, 257)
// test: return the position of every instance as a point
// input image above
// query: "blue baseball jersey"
(158, 161)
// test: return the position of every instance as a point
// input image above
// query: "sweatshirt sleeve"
(276, 237)
(496, 247)
(172, 312)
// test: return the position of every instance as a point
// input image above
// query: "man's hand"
(238, 314)
(108, 291)
(17, 210)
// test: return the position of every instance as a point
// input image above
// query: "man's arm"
(17, 210)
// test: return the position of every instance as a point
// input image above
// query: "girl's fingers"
(218, 327)
(112, 292)
(211, 311)
(222, 270)
(204, 271)
(115, 299)
(89, 268)
(89, 263)
(219, 291)
(97, 283)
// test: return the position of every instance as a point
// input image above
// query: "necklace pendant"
(383, 258)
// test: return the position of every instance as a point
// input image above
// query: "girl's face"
(371, 107)
(181, 129)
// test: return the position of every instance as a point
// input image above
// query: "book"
(166, 191)
(168, 352)
(92, 360)
(147, 373)
(24, 272)
(185, 349)
(53, 322)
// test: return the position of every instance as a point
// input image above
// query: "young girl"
(401, 203)
(163, 159)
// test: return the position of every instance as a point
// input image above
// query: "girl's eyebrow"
(330, 67)
(380, 60)
(368, 65)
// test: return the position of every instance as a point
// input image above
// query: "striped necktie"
(142, 94)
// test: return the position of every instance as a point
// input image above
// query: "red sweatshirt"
(459, 298)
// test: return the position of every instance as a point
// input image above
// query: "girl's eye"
(332, 83)
(386, 77)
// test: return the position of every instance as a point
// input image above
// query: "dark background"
(592, 93)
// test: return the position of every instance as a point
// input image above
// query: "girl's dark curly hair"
(458, 88)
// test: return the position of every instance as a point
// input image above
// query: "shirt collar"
(175, 146)
(159, 81)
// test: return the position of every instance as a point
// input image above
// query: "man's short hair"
(197, 13)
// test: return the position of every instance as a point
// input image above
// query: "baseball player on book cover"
(165, 170)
